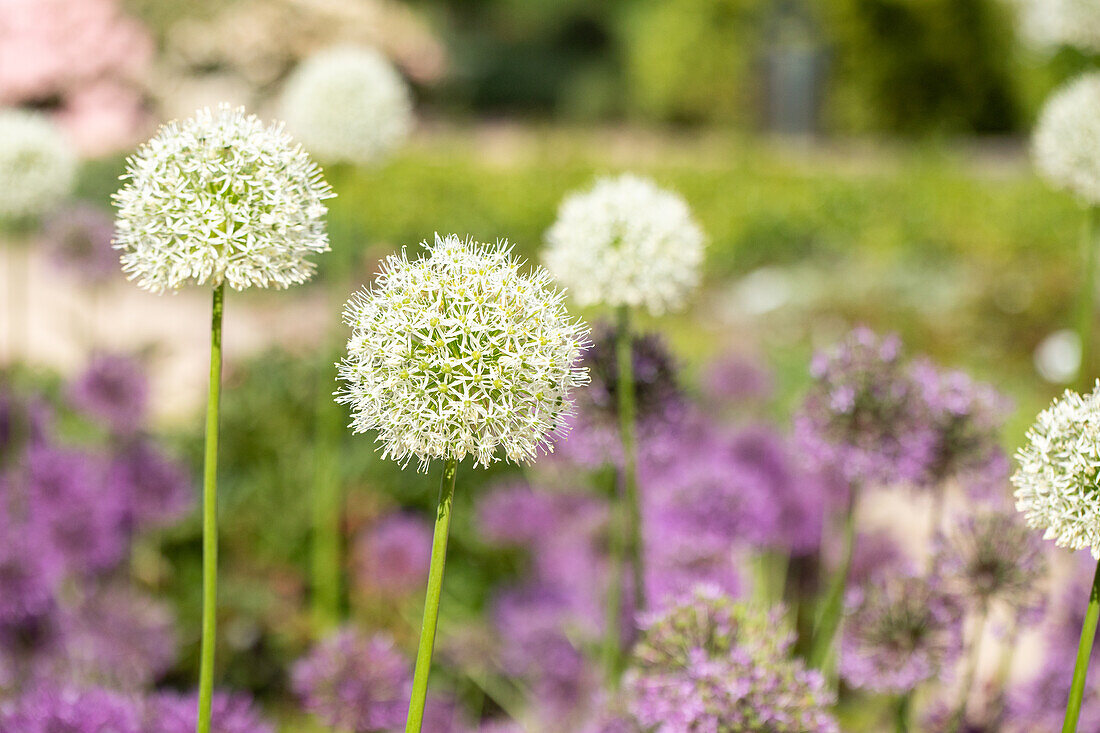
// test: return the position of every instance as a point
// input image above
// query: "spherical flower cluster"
(1053, 23)
(709, 663)
(37, 166)
(219, 198)
(353, 682)
(347, 104)
(230, 713)
(993, 556)
(458, 353)
(393, 555)
(1057, 479)
(864, 414)
(1066, 141)
(626, 242)
(48, 709)
(79, 238)
(903, 631)
(112, 389)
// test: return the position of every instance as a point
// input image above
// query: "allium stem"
(833, 608)
(902, 712)
(1084, 654)
(971, 671)
(624, 355)
(431, 601)
(612, 646)
(1087, 305)
(210, 517)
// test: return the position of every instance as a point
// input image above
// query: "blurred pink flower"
(85, 56)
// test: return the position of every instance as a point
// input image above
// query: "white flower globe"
(348, 105)
(459, 353)
(1066, 142)
(1058, 478)
(220, 197)
(37, 165)
(626, 242)
(1049, 24)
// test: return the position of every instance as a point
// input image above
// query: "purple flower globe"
(230, 713)
(113, 390)
(392, 556)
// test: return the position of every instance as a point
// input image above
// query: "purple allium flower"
(967, 417)
(392, 556)
(442, 715)
(735, 378)
(517, 514)
(904, 630)
(158, 488)
(112, 389)
(51, 709)
(864, 414)
(24, 421)
(537, 626)
(84, 518)
(709, 663)
(875, 557)
(30, 566)
(354, 682)
(230, 713)
(116, 637)
(79, 238)
(994, 556)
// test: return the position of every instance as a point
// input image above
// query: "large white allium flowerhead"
(1066, 142)
(626, 242)
(1058, 479)
(1049, 24)
(220, 197)
(348, 104)
(459, 353)
(37, 165)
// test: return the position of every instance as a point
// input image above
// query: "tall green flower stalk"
(832, 609)
(453, 355)
(1084, 654)
(210, 514)
(628, 245)
(219, 199)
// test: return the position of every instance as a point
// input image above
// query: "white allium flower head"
(348, 104)
(1066, 142)
(626, 242)
(459, 353)
(37, 165)
(1050, 24)
(220, 197)
(1058, 478)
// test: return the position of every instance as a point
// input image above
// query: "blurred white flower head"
(348, 104)
(626, 242)
(1066, 142)
(1058, 357)
(458, 353)
(1050, 24)
(1058, 479)
(37, 165)
(220, 197)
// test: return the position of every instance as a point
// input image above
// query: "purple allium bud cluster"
(901, 632)
(79, 239)
(711, 663)
(392, 555)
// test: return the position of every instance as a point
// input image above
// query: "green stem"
(210, 518)
(1084, 653)
(616, 532)
(971, 672)
(833, 609)
(431, 601)
(624, 355)
(1087, 304)
(901, 713)
(327, 509)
